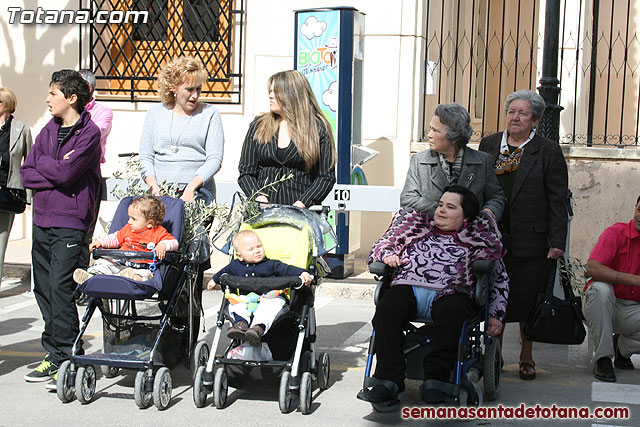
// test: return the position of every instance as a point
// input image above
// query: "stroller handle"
(170, 257)
(260, 285)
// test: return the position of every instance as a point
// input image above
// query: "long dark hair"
(469, 201)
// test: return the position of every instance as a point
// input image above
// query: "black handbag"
(12, 200)
(556, 321)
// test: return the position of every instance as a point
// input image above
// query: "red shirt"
(126, 239)
(619, 249)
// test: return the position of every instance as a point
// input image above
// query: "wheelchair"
(478, 355)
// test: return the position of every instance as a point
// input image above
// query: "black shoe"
(619, 361)
(432, 395)
(379, 394)
(603, 370)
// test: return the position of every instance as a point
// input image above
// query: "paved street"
(343, 329)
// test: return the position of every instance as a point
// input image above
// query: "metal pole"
(549, 84)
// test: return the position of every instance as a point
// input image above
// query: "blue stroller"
(147, 325)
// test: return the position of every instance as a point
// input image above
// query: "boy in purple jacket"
(63, 170)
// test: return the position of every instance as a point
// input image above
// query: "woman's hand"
(152, 182)
(494, 327)
(555, 253)
(299, 204)
(188, 194)
(394, 261)
(262, 200)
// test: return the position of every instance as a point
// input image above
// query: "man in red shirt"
(612, 302)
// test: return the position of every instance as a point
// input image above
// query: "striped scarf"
(452, 170)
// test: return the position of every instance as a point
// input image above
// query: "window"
(127, 56)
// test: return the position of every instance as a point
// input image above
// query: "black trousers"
(395, 310)
(55, 255)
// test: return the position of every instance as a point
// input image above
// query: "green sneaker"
(53, 384)
(43, 372)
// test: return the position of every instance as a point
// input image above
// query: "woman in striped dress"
(293, 138)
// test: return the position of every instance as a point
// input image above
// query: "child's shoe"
(80, 276)
(237, 331)
(130, 273)
(254, 334)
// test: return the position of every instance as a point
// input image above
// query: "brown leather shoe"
(238, 330)
(253, 335)
(527, 370)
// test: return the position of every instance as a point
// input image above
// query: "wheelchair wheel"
(109, 371)
(85, 384)
(306, 393)
(162, 386)
(220, 388)
(491, 369)
(142, 397)
(470, 394)
(324, 369)
(285, 397)
(64, 390)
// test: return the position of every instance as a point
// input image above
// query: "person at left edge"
(63, 170)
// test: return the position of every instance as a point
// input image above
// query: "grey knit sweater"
(199, 141)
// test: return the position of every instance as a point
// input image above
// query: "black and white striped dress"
(261, 164)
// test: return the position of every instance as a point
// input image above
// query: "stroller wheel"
(491, 369)
(220, 388)
(109, 371)
(324, 368)
(65, 391)
(285, 397)
(142, 397)
(162, 386)
(306, 390)
(199, 390)
(85, 384)
(200, 356)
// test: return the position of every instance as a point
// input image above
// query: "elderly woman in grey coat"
(449, 161)
(533, 174)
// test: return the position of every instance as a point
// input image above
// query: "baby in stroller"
(253, 314)
(143, 232)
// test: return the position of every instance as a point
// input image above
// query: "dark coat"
(265, 268)
(538, 204)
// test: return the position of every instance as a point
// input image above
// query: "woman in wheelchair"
(433, 279)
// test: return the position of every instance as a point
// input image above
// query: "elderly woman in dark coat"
(450, 162)
(533, 174)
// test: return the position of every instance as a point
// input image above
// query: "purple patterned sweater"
(442, 261)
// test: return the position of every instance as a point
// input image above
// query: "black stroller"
(148, 326)
(291, 339)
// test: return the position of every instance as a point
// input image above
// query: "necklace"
(174, 144)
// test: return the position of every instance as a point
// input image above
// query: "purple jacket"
(65, 190)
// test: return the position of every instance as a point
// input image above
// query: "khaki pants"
(607, 315)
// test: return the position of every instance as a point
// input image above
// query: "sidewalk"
(361, 284)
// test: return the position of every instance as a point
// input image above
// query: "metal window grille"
(126, 57)
(479, 51)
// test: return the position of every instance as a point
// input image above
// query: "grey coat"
(20, 143)
(538, 205)
(426, 181)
